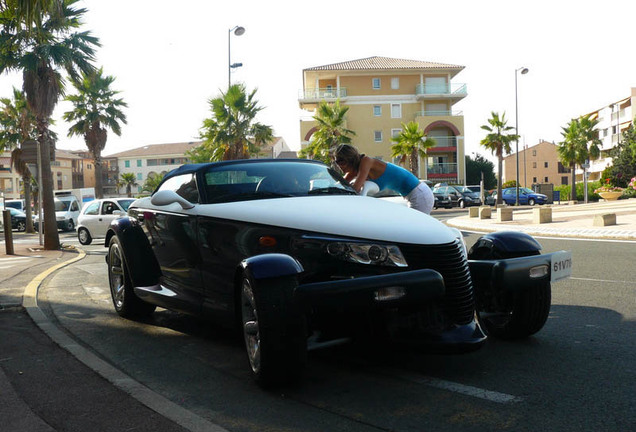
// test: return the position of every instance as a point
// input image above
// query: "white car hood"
(352, 216)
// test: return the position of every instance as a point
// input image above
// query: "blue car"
(526, 196)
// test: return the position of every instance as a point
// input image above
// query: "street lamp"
(524, 70)
(238, 31)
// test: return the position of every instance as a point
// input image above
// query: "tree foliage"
(96, 108)
(623, 167)
(411, 143)
(127, 180)
(474, 169)
(232, 132)
(331, 131)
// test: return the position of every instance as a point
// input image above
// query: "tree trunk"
(27, 204)
(499, 179)
(51, 237)
(573, 191)
(414, 163)
(99, 189)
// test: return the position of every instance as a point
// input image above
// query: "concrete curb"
(143, 394)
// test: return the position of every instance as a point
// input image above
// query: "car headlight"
(361, 253)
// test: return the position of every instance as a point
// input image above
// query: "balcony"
(452, 91)
(445, 113)
(320, 94)
(445, 144)
(442, 171)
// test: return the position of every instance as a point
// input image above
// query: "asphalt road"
(577, 374)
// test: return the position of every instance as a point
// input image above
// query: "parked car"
(18, 219)
(287, 251)
(526, 196)
(460, 196)
(491, 197)
(442, 200)
(96, 216)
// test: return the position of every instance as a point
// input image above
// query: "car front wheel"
(70, 226)
(462, 204)
(273, 329)
(84, 236)
(126, 302)
(21, 226)
(531, 201)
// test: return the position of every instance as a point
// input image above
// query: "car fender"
(504, 244)
(143, 267)
(271, 265)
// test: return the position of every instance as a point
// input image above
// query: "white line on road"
(603, 280)
(467, 390)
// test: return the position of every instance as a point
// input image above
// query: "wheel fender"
(272, 265)
(142, 264)
(503, 244)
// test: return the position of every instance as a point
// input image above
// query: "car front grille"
(449, 260)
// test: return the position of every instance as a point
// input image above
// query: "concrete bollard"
(484, 212)
(542, 215)
(504, 214)
(473, 212)
(604, 219)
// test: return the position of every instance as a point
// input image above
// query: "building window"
(138, 162)
(534, 164)
(564, 180)
(127, 164)
(396, 111)
(395, 83)
(377, 110)
(376, 83)
(545, 180)
(395, 132)
(534, 179)
(139, 176)
(545, 164)
(534, 152)
(377, 136)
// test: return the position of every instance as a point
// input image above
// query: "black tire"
(84, 236)
(529, 311)
(531, 201)
(21, 226)
(274, 330)
(462, 204)
(126, 302)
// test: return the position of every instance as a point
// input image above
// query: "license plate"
(561, 265)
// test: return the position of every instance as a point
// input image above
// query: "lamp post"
(238, 31)
(524, 70)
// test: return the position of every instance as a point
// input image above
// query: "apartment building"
(613, 119)
(538, 164)
(381, 94)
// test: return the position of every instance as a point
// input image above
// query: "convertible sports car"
(287, 251)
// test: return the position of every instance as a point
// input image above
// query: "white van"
(67, 211)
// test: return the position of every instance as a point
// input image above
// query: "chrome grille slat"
(447, 259)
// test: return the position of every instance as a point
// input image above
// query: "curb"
(143, 394)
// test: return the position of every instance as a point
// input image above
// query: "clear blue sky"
(170, 58)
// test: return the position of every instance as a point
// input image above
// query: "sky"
(169, 61)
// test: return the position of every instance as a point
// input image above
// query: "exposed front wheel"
(528, 313)
(274, 330)
(462, 204)
(21, 226)
(531, 201)
(84, 236)
(70, 226)
(126, 302)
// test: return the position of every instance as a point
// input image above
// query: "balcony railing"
(446, 141)
(323, 93)
(445, 113)
(455, 89)
(442, 168)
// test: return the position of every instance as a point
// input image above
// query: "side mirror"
(117, 212)
(167, 197)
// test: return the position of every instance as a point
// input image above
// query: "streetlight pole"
(524, 70)
(238, 31)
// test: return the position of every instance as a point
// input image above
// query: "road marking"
(604, 280)
(15, 259)
(466, 390)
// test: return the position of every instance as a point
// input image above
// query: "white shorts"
(421, 198)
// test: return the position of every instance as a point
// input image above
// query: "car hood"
(351, 216)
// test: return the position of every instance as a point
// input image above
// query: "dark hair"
(348, 154)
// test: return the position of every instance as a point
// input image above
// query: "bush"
(580, 192)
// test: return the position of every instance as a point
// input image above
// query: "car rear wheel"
(21, 226)
(70, 226)
(274, 330)
(84, 236)
(126, 302)
(462, 204)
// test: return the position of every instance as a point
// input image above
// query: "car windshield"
(526, 190)
(61, 205)
(248, 181)
(125, 203)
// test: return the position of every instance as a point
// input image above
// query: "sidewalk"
(45, 387)
(568, 220)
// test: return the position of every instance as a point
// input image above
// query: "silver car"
(97, 215)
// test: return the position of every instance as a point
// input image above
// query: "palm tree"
(411, 143)
(39, 43)
(152, 182)
(17, 126)
(232, 132)
(498, 142)
(580, 143)
(128, 180)
(95, 111)
(331, 131)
